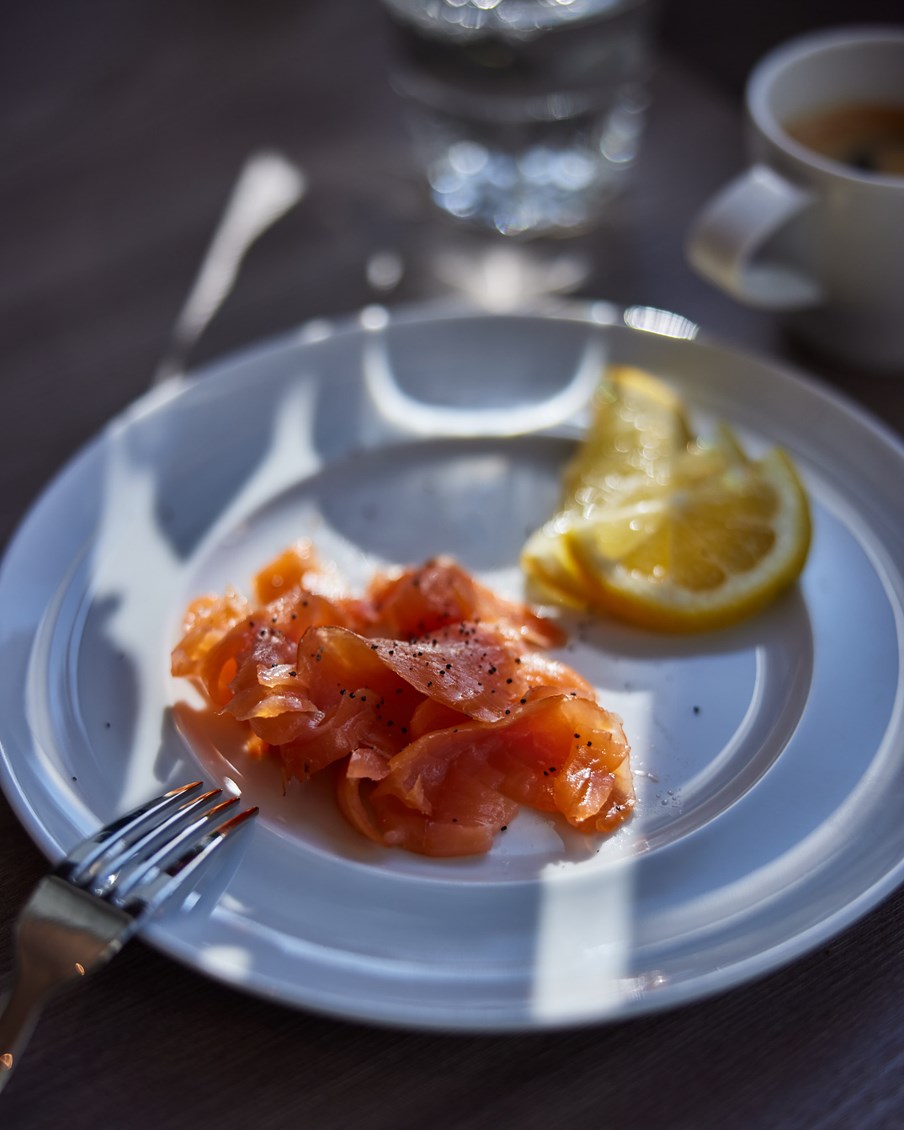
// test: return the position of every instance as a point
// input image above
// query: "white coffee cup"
(804, 234)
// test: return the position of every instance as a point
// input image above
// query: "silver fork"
(82, 914)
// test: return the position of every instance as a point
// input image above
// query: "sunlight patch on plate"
(650, 319)
(234, 958)
(583, 943)
(415, 416)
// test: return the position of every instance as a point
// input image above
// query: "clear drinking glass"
(526, 114)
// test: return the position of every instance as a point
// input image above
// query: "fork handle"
(21, 1012)
(63, 934)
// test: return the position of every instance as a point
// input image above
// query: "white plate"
(769, 758)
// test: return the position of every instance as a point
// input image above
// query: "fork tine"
(155, 852)
(158, 877)
(125, 828)
(107, 867)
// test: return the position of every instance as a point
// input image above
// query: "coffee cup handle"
(729, 242)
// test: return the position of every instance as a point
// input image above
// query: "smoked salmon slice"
(430, 698)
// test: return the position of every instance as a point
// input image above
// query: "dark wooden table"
(123, 127)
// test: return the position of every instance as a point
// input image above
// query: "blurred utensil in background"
(268, 187)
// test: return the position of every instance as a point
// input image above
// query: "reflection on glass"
(525, 114)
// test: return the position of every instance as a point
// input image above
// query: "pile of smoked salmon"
(430, 698)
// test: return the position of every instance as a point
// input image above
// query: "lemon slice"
(637, 426)
(674, 534)
(715, 544)
(547, 562)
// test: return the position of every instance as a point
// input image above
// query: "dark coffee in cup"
(869, 138)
